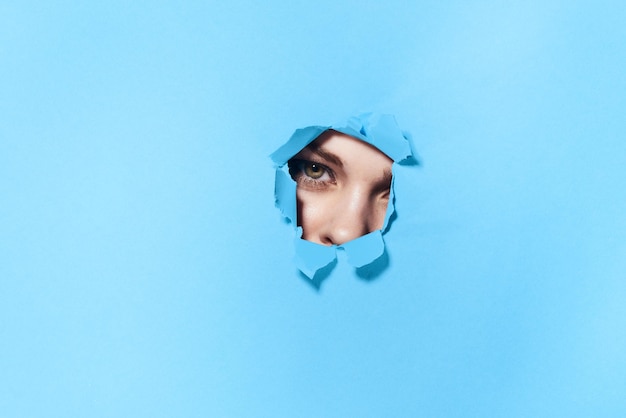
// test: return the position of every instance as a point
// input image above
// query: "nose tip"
(341, 235)
(346, 231)
(348, 222)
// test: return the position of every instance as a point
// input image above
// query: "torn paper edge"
(380, 131)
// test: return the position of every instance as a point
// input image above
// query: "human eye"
(311, 174)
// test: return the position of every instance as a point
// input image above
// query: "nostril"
(327, 240)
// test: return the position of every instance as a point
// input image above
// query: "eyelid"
(297, 169)
(318, 155)
(301, 161)
(328, 156)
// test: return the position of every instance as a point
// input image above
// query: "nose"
(352, 217)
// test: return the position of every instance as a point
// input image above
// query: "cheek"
(379, 213)
(313, 208)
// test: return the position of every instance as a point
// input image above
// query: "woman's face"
(343, 187)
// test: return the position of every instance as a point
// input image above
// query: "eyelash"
(297, 170)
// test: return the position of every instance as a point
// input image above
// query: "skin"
(343, 187)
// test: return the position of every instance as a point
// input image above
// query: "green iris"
(313, 170)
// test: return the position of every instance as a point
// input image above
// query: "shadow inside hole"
(373, 270)
(411, 161)
(319, 276)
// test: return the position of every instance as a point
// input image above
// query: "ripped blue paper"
(379, 130)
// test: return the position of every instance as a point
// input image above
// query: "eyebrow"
(327, 155)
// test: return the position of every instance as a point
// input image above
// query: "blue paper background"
(145, 272)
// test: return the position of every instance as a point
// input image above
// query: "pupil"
(314, 170)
